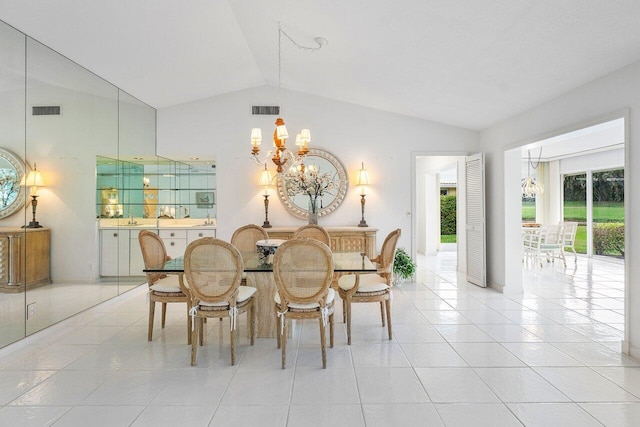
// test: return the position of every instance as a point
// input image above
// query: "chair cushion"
(168, 284)
(368, 283)
(244, 293)
(330, 297)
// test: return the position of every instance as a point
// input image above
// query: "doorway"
(439, 210)
(582, 176)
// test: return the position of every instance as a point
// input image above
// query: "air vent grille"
(46, 110)
(265, 110)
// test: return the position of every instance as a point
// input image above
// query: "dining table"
(258, 271)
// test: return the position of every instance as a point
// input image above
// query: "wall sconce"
(265, 181)
(33, 180)
(363, 181)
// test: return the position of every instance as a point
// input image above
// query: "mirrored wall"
(57, 118)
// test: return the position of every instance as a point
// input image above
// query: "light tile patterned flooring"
(460, 356)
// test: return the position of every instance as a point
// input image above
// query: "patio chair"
(570, 229)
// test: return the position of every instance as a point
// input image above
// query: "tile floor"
(460, 356)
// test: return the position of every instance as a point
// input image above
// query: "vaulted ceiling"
(469, 63)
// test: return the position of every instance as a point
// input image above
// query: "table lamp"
(34, 180)
(265, 181)
(363, 181)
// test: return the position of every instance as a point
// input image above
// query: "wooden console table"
(343, 239)
(24, 258)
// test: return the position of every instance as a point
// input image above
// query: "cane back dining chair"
(303, 271)
(373, 287)
(213, 272)
(313, 231)
(163, 288)
(245, 238)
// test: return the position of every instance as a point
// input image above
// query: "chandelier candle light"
(280, 134)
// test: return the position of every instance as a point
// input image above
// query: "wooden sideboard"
(17, 270)
(343, 239)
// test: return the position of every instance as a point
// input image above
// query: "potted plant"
(403, 266)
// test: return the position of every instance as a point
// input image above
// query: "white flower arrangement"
(311, 182)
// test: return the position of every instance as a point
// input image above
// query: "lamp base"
(266, 225)
(32, 224)
(363, 223)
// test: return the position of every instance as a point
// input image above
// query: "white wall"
(606, 98)
(221, 126)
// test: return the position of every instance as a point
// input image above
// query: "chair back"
(303, 271)
(313, 231)
(569, 231)
(552, 234)
(245, 238)
(388, 251)
(154, 253)
(213, 270)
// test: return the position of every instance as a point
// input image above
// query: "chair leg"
(194, 341)
(283, 341)
(344, 311)
(233, 346)
(331, 330)
(188, 324)
(152, 310)
(323, 343)
(164, 313)
(349, 321)
(201, 330)
(278, 335)
(388, 304)
(252, 321)
(382, 313)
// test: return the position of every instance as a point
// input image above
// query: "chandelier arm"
(263, 161)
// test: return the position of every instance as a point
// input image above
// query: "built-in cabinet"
(17, 270)
(343, 239)
(120, 253)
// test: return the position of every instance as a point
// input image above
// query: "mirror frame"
(19, 167)
(301, 213)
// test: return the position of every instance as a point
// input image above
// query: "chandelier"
(531, 187)
(280, 134)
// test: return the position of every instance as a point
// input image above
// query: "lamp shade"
(34, 179)
(256, 136)
(305, 136)
(265, 178)
(363, 176)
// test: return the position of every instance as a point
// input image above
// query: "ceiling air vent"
(45, 110)
(265, 110)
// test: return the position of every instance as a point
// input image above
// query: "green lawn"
(577, 211)
(448, 238)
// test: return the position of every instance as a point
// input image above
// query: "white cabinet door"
(175, 240)
(136, 262)
(196, 234)
(114, 252)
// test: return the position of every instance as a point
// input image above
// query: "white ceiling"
(470, 63)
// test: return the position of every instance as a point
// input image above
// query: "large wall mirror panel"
(12, 139)
(56, 117)
(71, 116)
